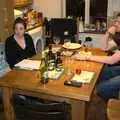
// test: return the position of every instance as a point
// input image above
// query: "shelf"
(94, 32)
(22, 6)
(33, 27)
(22, 3)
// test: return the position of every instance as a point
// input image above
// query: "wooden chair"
(113, 109)
(119, 95)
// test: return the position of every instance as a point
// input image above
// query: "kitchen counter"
(93, 32)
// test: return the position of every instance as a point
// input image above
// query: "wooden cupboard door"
(29, 1)
(7, 19)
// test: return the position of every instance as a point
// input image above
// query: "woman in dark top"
(20, 45)
(116, 39)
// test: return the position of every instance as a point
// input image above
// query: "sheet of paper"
(84, 77)
(29, 64)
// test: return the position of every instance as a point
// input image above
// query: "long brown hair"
(19, 20)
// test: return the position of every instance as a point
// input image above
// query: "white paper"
(29, 64)
(84, 77)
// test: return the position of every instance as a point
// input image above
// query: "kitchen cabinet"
(7, 19)
(22, 3)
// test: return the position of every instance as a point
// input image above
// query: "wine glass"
(56, 40)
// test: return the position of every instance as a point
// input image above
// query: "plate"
(72, 46)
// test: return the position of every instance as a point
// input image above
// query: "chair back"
(29, 108)
(39, 45)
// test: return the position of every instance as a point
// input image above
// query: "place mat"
(84, 77)
(28, 64)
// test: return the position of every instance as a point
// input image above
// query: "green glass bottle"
(43, 69)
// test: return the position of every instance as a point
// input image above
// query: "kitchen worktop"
(94, 32)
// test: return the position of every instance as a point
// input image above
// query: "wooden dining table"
(27, 82)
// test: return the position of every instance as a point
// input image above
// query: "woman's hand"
(112, 30)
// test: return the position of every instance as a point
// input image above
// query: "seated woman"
(109, 83)
(112, 37)
(20, 45)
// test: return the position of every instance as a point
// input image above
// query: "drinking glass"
(68, 59)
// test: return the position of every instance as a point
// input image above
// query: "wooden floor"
(96, 110)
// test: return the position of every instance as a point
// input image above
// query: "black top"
(116, 38)
(15, 54)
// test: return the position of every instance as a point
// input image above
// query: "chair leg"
(119, 95)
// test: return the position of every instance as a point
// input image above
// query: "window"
(75, 8)
(98, 9)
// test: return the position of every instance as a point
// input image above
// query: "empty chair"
(29, 108)
(39, 45)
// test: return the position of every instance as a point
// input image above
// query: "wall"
(113, 9)
(50, 8)
(6, 19)
(113, 6)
